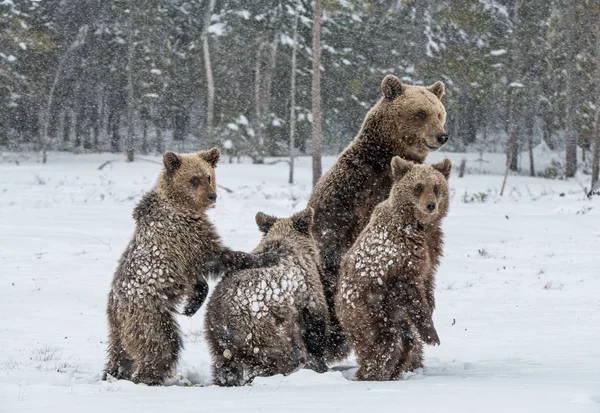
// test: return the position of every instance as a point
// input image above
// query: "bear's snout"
(431, 206)
(212, 197)
(442, 138)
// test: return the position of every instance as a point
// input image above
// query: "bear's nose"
(212, 197)
(430, 206)
(442, 138)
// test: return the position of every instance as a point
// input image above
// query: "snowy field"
(518, 295)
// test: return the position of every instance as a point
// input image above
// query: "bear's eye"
(419, 189)
(209, 179)
(422, 115)
(436, 190)
(195, 181)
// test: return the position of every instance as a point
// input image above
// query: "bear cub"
(173, 248)
(385, 296)
(267, 321)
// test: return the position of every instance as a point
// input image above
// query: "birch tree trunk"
(596, 153)
(316, 94)
(258, 156)
(571, 137)
(293, 99)
(266, 96)
(130, 100)
(210, 85)
(79, 39)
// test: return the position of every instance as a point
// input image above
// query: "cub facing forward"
(385, 296)
(268, 321)
(174, 246)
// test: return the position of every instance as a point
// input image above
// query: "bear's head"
(419, 190)
(413, 117)
(188, 180)
(295, 230)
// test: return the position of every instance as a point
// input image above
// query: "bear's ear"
(265, 222)
(444, 167)
(302, 221)
(438, 89)
(391, 87)
(211, 156)
(171, 161)
(400, 167)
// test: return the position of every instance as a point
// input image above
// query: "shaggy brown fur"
(385, 297)
(174, 246)
(273, 320)
(408, 122)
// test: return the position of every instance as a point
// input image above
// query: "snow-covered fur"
(408, 121)
(268, 321)
(385, 296)
(173, 248)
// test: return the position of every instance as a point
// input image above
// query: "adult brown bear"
(408, 121)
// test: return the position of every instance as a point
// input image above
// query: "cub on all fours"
(173, 248)
(268, 321)
(385, 296)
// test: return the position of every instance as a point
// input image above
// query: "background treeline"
(139, 75)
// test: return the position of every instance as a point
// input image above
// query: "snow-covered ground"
(518, 295)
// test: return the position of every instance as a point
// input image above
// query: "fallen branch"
(101, 167)
(229, 191)
(277, 161)
(149, 160)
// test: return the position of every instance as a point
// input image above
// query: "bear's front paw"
(267, 259)
(430, 336)
(191, 308)
(317, 365)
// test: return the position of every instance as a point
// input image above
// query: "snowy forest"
(145, 75)
(179, 232)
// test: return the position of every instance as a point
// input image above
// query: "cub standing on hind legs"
(408, 121)
(174, 246)
(385, 297)
(267, 321)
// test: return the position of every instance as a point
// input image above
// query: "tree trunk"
(45, 139)
(78, 125)
(512, 147)
(130, 102)
(98, 111)
(596, 147)
(571, 137)
(114, 120)
(266, 97)
(160, 145)
(144, 148)
(85, 118)
(530, 145)
(293, 99)
(316, 94)
(67, 125)
(258, 156)
(210, 86)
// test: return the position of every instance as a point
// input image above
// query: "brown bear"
(385, 297)
(408, 122)
(268, 321)
(173, 248)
